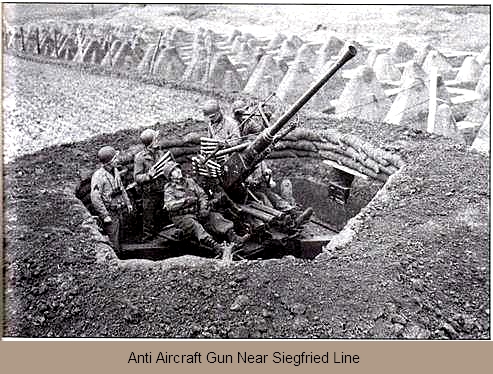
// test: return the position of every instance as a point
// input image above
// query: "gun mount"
(271, 231)
(239, 166)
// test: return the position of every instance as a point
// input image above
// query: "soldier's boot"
(216, 248)
(304, 217)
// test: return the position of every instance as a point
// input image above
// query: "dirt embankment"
(417, 265)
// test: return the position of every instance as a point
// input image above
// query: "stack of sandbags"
(344, 149)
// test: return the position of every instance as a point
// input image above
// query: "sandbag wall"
(390, 84)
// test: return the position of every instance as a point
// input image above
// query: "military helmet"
(147, 136)
(106, 154)
(238, 105)
(210, 107)
(169, 167)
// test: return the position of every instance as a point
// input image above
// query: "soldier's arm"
(202, 197)
(171, 203)
(140, 175)
(96, 199)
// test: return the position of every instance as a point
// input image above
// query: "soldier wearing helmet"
(220, 127)
(247, 126)
(108, 195)
(151, 184)
(188, 207)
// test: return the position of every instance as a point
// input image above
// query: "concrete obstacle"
(363, 97)
(330, 91)
(402, 52)
(295, 83)
(479, 111)
(287, 51)
(384, 68)
(296, 41)
(445, 124)
(438, 60)
(483, 85)
(412, 71)
(233, 35)
(92, 53)
(120, 59)
(482, 141)
(484, 57)
(265, 77)
(421, 54)
(328, 49)
(176, 36)
(219, 77)
(276, 42)
(68, 49)
(372, 56)
(111, 53)
(237, 42)
(199, 66)
(169, 65)
(470, 71)
(410, 107)
(306, 53)
(146, 62)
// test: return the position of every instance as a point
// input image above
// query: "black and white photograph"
(246, 171)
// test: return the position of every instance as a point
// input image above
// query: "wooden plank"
(345, 169)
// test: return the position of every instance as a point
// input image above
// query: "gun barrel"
(238, 167)
(263, 141)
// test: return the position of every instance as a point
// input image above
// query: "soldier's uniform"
(108, 201)
(152, 190)
(184, 201)
(226, 130)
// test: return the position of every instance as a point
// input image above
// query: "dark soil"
(417, 265)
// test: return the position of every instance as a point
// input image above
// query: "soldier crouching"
(188, 207)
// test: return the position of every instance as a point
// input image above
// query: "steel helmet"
(238, 106)
(106, 154)
(147, 136)
(169, 167)
(210, 107)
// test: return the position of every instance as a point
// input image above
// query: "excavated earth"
(414, 263)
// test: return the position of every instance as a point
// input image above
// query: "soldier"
(221, 127)
(152, 185)
(108, 195)
(188, 207)
(248, 128)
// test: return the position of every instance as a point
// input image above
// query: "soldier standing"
(152, 185)
(221, 127)
(108, 195)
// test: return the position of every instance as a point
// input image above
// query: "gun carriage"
(271, 232)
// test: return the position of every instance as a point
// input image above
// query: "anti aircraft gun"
(231, 168)
(272, 232)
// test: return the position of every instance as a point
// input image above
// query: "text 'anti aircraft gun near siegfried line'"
(276, 233)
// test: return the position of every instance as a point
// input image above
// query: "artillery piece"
(272, 232)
